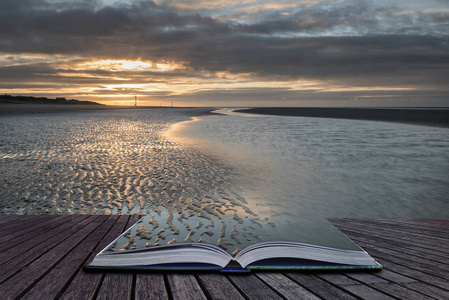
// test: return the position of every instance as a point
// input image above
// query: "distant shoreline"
(13, 109)
(438, 117)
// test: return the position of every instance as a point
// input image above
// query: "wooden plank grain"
(394, 277)
(56, 279)
(19, 243)
(86, 283)
(400, 292)
(252, 287)
(366, 278)
(428, 267)
(405, 276)
(424, 240)
(408, 226)
(4, 219)
(319, 286)
(405, 253)
(406, 247)
(18, 262)
(35, 239)
(435, 225)
(366, 292)
(185, 287)
(218, 287)
(286, 287)
(35, 228)
(409, 271)
(116, 286)
(429, 290)
(338, 279)
(120, 281)
(21, 222)
(150, 287)
(359, 284)
(18, 284)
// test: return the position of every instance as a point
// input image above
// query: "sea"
(320, 167)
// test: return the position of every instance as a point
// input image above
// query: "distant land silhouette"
(429, 116)
(10, 99)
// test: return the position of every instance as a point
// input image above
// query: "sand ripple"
(117, 162)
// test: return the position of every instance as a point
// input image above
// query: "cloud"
(350, 43)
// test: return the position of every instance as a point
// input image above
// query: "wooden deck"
(42, 257)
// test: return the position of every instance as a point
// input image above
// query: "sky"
(234, 53)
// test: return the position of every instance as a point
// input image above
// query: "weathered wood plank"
(429, 267)
(409, 247)
(21, 243)
(394, 277)
(218, 287)
(35, 229)
(86, 284)
(132, 220)
(366, 278)
(252, 287)
(399, 242)
(408, 226)
(17, 263)
(30, 241)
(12, 226)
(150, 287)
(121, 281)
(286, 287)
(116, 286)
(404, 252)
(16, 221)
(411, 251)
(54, 281)
(185, 286)
(29, 275)
(423, 241)
(4, 219)
(360, 287)
(429, 290)
(439, 225)
(408, 270)
(400, 292)
(338, 279)
(366, 292)
(319, 286)
(429, 241)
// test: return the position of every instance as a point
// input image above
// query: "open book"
(186, 254)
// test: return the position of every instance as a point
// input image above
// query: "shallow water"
(312, 168)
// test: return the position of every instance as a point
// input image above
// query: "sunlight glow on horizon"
(117, 82)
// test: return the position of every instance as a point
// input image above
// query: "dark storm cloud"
(119, 31)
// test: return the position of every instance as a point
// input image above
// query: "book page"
(230, 231)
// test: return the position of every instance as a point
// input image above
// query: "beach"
(228, 178)
(119, 161)
(422, 116)
(7, 109)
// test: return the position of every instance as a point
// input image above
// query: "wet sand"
(119, 162)
(422, 116)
